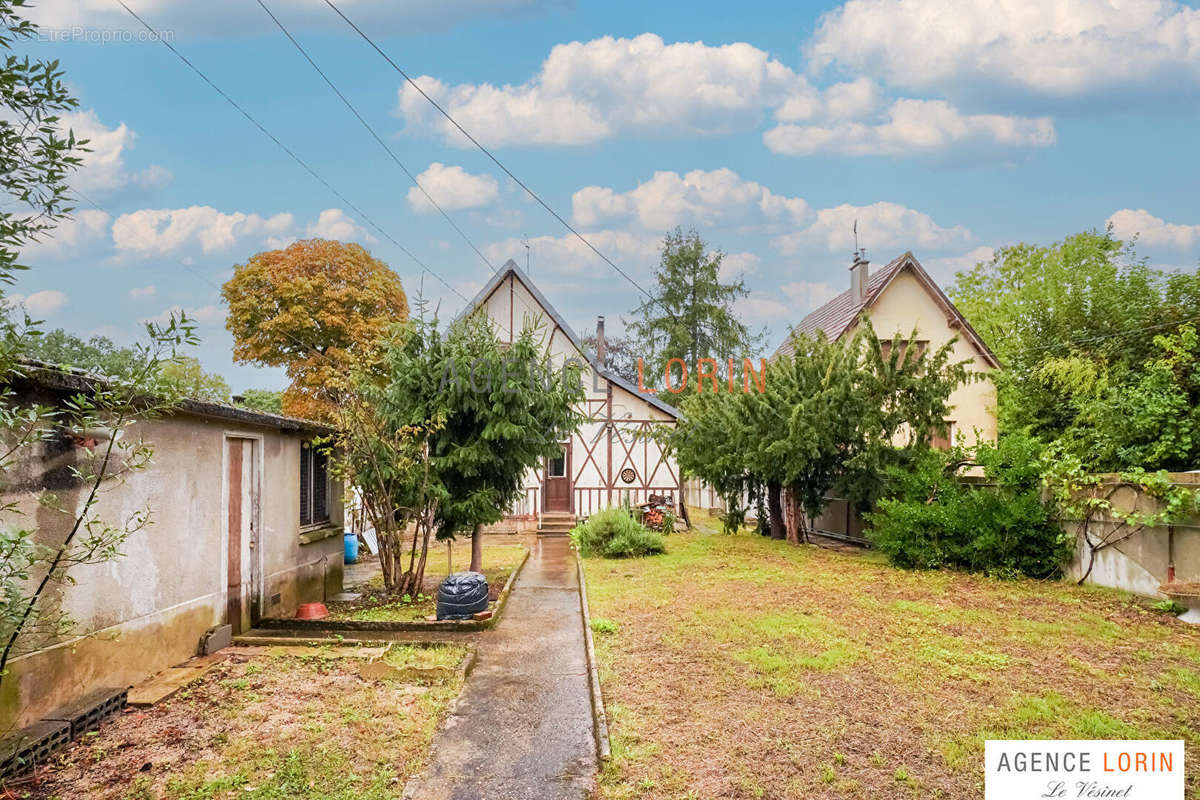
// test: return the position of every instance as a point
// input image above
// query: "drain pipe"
(1170, 554)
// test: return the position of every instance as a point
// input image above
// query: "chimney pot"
(600, 344)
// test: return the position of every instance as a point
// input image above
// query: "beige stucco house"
(246, 523)
(607, 461)
(899, 298)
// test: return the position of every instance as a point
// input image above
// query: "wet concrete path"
(522, 727)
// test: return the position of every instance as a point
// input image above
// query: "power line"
(495, 160)
(375, 135)
(154, 34)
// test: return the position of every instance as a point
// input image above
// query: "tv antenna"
(525, 242)
(859, 252)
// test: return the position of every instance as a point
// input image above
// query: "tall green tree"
(506, 409)
(1086, 306)
(689, 313)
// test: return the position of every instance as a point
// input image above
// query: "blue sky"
(944, 128)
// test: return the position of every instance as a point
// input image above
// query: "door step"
(556, 523)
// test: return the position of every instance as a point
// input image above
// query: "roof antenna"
(525, 242)
(859, 252)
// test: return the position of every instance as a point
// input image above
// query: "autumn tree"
(312, 308)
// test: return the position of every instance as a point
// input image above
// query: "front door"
(558, 481)
(241, 529)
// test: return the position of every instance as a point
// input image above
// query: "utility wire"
(495, 160)
(375, 135)
(154, 34)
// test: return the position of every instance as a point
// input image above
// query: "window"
(314, 485)
(885, 347)
(556, 467)
(943, 441)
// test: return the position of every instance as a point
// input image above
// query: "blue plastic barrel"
(351, 548)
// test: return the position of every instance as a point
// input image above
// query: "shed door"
(558, 481)
(241, 528)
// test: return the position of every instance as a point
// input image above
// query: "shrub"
(614, 533)
(1002, 526)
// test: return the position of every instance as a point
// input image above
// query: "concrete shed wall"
(148, 609)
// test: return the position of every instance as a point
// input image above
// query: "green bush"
(614, 533)
(1001, 525)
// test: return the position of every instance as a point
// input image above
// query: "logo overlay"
(1085, 770)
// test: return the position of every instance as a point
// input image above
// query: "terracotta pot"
(312, 611)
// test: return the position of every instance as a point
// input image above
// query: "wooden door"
(241, 603)
(557, 492)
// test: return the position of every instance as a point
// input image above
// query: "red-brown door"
(558, 481)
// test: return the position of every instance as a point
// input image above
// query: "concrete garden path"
(522, 727)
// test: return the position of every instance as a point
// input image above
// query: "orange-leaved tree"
(313, 308)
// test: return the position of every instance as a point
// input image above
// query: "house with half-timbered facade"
(609, 460)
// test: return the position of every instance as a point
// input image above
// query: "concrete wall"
(905, 304)
(1141, 563)
(147, 610)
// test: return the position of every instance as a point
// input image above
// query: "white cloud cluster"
(452, 188)
(185, 232)
(930, 128)
(701, 197)
(880, 225)
(1153, 231)
(567, 255)
(70, 236)
(39, 304)
(1048, 48)
(589, 91)
(104, 169)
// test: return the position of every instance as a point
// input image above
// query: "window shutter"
(319, 488)
(305, 484)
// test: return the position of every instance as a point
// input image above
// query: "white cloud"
(758, 308)
(636, 253)
(179, 18)
(200, 314)
(1153, 231)
(161, 232)
(452, 188)
(589, 91)
(333, 223)
(1051, 48)
(104, 169)
(143, 291)
(736, 265)
(807, 295)
(69, 237)
(930, 128)
(944, 269)
(39, 303)
(702, 198)
(880, 225)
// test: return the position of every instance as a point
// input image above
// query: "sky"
(949, 129)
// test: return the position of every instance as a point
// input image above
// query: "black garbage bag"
(461, 595)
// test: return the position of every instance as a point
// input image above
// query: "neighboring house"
(606, 461)
(897, 299)
(245, 524)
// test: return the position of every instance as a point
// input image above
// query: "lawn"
(740, 667)
(499, 561)
(266, 727)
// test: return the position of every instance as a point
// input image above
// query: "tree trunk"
(477, 548)
(775, 509)
(791, 519)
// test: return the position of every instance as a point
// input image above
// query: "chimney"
(600, 340)
(858, 276)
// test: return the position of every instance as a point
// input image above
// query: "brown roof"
(840, 313)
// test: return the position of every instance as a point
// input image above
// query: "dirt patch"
(261, 725)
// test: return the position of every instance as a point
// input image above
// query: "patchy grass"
(425, 656)
(499, 561)
(274, 727)
(741, 667)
